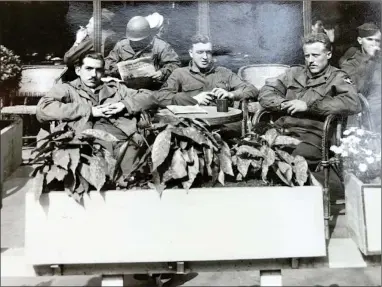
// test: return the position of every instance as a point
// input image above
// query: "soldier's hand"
(204, 98)
(157, 75)
(294, 106)
(222, 94)
(113, 109)
(100, 111)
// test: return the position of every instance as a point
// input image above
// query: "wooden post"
(203, 22)
(307, 16)
(97, 26)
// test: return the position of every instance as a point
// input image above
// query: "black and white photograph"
(190, 143)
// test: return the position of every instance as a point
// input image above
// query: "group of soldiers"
(306, 94)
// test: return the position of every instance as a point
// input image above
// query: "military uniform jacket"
(187, 82)
(72, 102)
(330, 92)
(164, 57)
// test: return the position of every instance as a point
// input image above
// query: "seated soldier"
(308, 94)
(141, 42)
(202, 81)
(363, 65)
(88, 103)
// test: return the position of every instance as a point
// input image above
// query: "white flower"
(353, 129)
(370, 159)
(362, 167)
(344, 153)
(360, 132)
(334, 148)
(347, 132)
(368, 152)
(352, 150)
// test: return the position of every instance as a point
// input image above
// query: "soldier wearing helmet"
(140, 42)
(363, 64)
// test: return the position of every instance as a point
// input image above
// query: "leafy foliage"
(269, 151)
(77, 161)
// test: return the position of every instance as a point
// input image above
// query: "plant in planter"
(10, 71)
(361, 153)
(75, 161)
(184, 148)
(269, 151)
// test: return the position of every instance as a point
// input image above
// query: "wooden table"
(213, 117)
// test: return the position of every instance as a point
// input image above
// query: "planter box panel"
(11, 145)
(201, 225)
(363, 213)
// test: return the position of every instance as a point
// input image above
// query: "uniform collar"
(194, 69)
(303, 78)
(104, 90)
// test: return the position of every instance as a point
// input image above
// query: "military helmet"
(137, 29)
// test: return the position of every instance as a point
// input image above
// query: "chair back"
(257, 74)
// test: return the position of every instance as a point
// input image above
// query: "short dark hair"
(319, 37)
(91, 55)
(199, 38)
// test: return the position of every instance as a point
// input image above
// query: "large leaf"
(193, 170)
(41, 141)
(270, 136)
(208, 157)
(59, 128)
(94, 172)
(191, 133)
(256, 164)
(221, 177)
(74, 155)
(285, 156)
(99, 134)
(286, 140)
(269, 159)
(234, 160)
(61, 158)
(55, 172)
(201, 165)
(248, 152)
(178, 165)
(243, 165)
(38, 184)
(83, 182)
(67, 136)
(70, 183)
(225, 159)
(300, 168)
(110, 163)
(161, 148)
(285, 173)
(157, 185)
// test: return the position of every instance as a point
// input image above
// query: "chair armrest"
(329, 121)
(365, 111)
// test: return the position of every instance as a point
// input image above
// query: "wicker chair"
(256, 75)
(331, 121)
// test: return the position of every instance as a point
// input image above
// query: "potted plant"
(361, 153)
(167, 212)
(10, 74)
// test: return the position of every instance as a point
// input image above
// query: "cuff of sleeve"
(237, 95)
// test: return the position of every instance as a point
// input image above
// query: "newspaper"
(137, 68)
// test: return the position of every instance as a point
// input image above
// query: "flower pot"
(203, 224)
(11, 144)
(363, 213)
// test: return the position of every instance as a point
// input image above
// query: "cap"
(367, 29)
(138, 28)
(155, 20)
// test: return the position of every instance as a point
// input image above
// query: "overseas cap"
(155, 20)
(367, 29)
(138, 28)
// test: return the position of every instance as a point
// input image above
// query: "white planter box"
(204, 224)
(11, 145)
(363, 213)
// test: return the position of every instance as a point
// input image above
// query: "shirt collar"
(80, 85)
(324, 72)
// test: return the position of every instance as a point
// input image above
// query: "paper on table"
(186, 109)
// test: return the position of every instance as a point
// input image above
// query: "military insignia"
(349, 81)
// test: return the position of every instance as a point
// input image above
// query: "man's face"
(371, 45)
(318, 27)
(316, 57)
(91, 72)
(90, 26)
(201, 54)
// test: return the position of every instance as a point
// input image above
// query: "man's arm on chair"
(241, 89)
(57, 105)
(272, 94)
